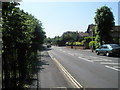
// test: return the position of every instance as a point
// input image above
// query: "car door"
(105, 49)
(101, 49)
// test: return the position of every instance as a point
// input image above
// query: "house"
(115, 32)
(83, 34)
(90, 29)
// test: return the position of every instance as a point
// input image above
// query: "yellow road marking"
(73, 80)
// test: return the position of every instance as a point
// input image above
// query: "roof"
(92, 26)
(83, 34)
(116, 28)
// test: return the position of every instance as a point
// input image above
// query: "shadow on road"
(42, 62)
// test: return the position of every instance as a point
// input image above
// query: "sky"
(59, 17)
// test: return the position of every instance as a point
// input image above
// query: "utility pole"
(92, 39)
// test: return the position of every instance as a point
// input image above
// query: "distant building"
(90, 29)
(115, 32)
(83, 34)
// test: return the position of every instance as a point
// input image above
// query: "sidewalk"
(49, 75)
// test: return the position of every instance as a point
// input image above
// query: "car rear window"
(114, 45)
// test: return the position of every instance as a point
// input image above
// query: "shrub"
(92, 44)
(83, 42)
(70, 43)
(76, 43)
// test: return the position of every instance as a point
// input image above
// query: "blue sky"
(59, 17)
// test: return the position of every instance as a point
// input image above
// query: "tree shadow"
(41, 62)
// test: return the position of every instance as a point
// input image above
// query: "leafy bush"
(97, 45)
(83, 42)
(69, 43)
(76, 43)
(88, 39)
(92, 44)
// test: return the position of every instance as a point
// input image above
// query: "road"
(48, 76)
(90, 70)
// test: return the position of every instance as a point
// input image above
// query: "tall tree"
(104, 21)
(69, 36)
(22, 36)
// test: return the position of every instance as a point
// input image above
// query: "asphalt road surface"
(49, 76)
(87, 68)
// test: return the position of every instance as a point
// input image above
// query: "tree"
(69, 36)
(22, 36)
(104, 21)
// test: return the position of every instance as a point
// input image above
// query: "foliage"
(83, 42)
(69, 43)
(86, 41)
(76, 43)
(104, 21)
(56, 40)
(68, 36)
(48, 40)
(73, 43)
(22, 36)
(93, 44)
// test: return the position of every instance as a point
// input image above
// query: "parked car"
(48, 46)
(108, 49)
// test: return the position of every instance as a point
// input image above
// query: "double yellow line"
(73, 80)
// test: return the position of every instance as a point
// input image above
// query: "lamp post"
(92, 40)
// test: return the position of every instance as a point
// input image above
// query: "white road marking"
(85, 59)
(64, 51)
(105, 59)
(116, 66)
(112, 68)
(73, 80)
(93, 57)
(60, 87)
(101, 60)
(109, 63)
(78, 54)
(71, 54)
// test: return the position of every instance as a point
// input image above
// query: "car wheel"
(107, 54)
(97, 53)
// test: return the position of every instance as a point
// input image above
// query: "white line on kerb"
(112, 68)
(85, 59)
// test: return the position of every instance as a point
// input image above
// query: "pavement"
(49, 75)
